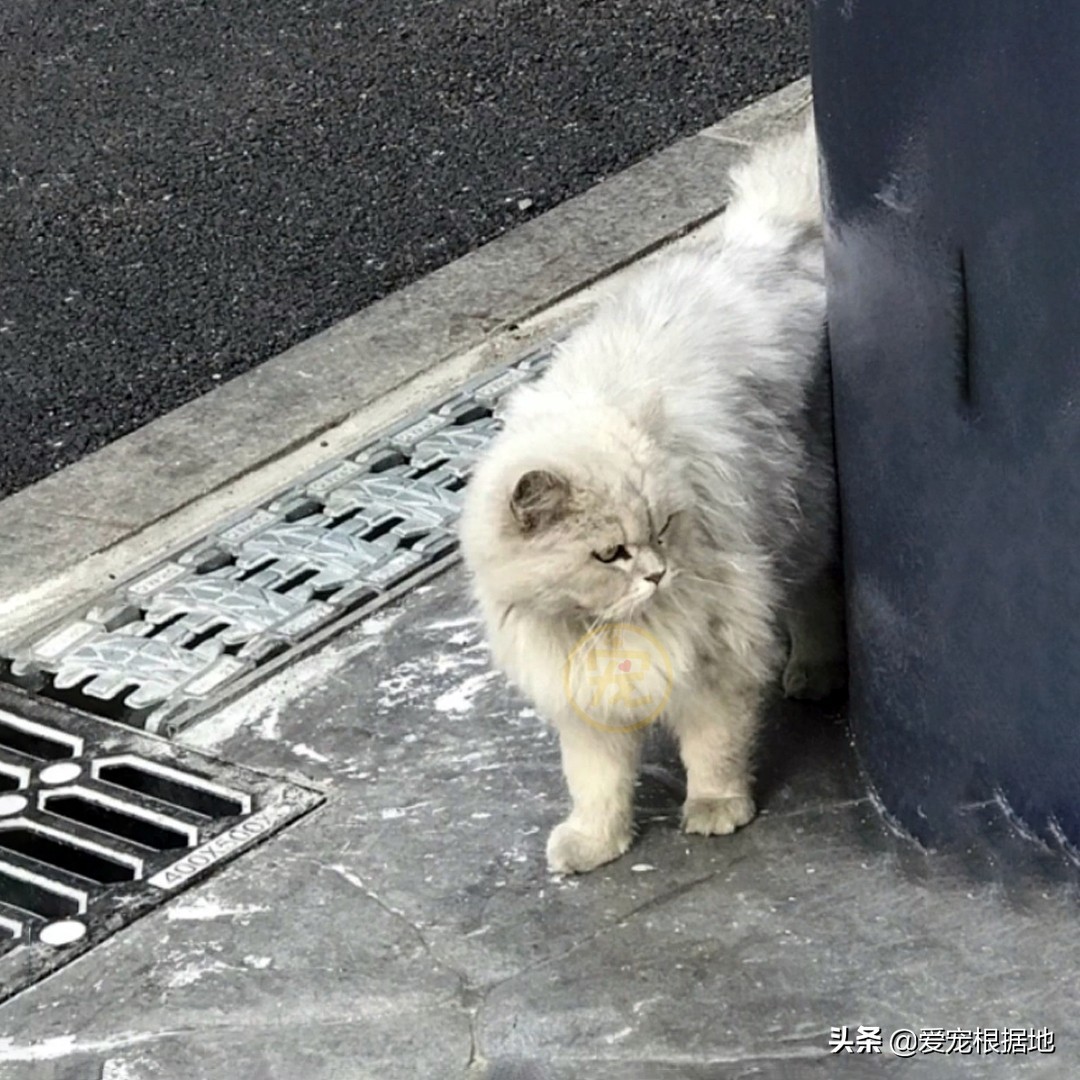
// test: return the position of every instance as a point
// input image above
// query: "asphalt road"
(187, 188)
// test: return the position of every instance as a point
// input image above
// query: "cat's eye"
(660, 534)
(609, 555)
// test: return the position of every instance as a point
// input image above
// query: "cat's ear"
(539, 499)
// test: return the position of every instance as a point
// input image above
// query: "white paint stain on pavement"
(305, 751)
(261, 709)
(63, 1046)
(460, 698)
(205, 908)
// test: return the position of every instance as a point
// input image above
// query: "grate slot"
(159, 628)
(206, 635)
(296, 582)
(391, 460)
(438, 463)
(255, 568)
(10, 929)
(37, 895)
(117, 822)
(383, 528)
(33, 740)
(65, 854)
(172, 787)
(13, 777)
(112, 708)
(472, 415)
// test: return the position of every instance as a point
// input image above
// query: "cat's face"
(604, 551)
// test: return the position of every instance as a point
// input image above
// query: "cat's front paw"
(570, 850)
(717, 817)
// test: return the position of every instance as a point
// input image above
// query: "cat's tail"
(779, 183)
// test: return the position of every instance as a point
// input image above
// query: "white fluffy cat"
(666, 491)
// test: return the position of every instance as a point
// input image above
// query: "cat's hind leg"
(600, 767)
(817, 661)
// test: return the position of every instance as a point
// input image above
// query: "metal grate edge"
(184, 633)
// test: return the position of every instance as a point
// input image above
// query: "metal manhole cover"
(99, 824)
(180, 634)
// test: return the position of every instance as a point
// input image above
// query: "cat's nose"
(656, 577)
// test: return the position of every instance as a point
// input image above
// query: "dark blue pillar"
(950, 133)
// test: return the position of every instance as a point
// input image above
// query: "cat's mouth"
(631, 605)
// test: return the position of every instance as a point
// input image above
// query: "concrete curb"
(71, 535)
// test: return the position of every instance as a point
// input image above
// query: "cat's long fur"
(698, 393)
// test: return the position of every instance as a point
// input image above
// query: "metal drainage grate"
(158, 651)
(99, 824)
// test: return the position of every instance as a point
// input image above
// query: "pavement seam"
(466, 989)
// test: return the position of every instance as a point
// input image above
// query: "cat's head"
(593, 531)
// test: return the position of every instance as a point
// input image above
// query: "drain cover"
(99, 824)
(161, 649)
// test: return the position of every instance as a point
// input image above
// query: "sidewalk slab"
(410, 928)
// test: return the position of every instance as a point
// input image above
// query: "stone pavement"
(410, 929)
